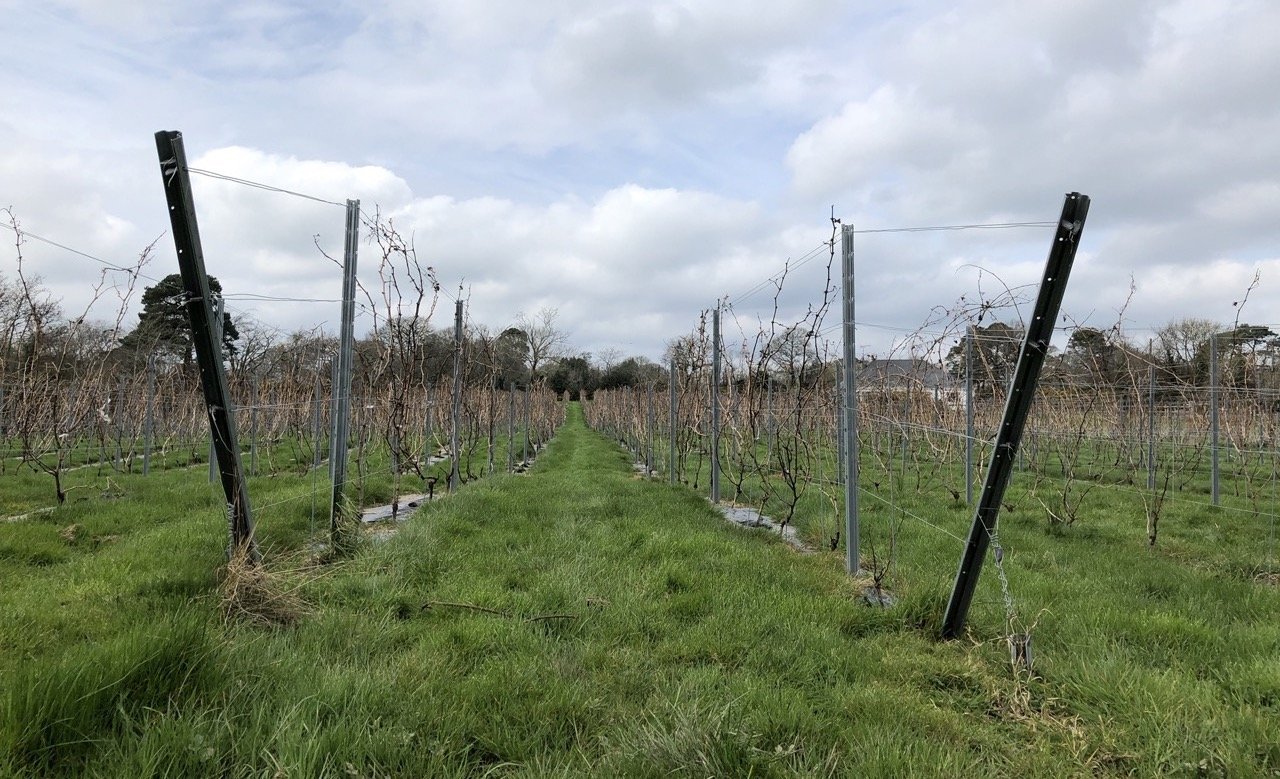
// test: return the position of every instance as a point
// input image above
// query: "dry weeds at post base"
(265, 594)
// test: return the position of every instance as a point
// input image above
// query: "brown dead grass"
(252, 593)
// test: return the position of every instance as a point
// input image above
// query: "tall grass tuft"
(56, 713)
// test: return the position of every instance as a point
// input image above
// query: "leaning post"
(1035, 346)
(200, 314)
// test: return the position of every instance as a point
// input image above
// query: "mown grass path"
(579, 621)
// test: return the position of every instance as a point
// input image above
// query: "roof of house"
(902, 372)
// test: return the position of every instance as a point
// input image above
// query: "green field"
(581, 621)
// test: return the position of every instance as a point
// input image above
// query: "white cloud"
(631, 162)
(846, 151)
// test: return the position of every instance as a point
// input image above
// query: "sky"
(629, 164)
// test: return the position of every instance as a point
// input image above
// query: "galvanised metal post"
(1213, 412)
(393, 438)
(492, 393)
(771, 426)
(455, 440)
(852, 558)
(649, 460)
(253, 430)
(528, 416)
(343, 367)
(511, 427)
(1151, 427)
(149, 423)
(118, 423)
(334, 383)
(674, 419)
(315, 420)
(968, 416)
(905, 429)
(217, 338)
(840, 453)
(315, 446)
(427, 449)
(715, 404)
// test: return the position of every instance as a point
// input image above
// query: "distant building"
(907, 375)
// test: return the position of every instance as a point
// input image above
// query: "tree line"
(533, 349)
(1181, 351)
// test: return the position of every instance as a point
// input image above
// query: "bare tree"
(544, 338)
(62, 365)
(1183, 347)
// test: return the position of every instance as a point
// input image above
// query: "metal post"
(117, 420)
(511, 427)
(393, 439)
(852, 560)
(315, 444)
(455, 441)
(1213, 413)
(771, 426)
(904, 429)
(427, 450)
(840, 454)
(195, 281)
(492, 394)
(334, 383)
(217, 339)
(648, 464)
(528, 416)
(253, 429)
(673, 422)
(148, 425)
(968, 416)
(315, 421)
(1151, 427)
(715, 404)
(341, 425)
(1035, 347)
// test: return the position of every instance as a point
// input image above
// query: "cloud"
(857, 145)
(632, 162)
(633, 256)
(1152, 109)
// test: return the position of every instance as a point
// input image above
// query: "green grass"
(579, 621)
